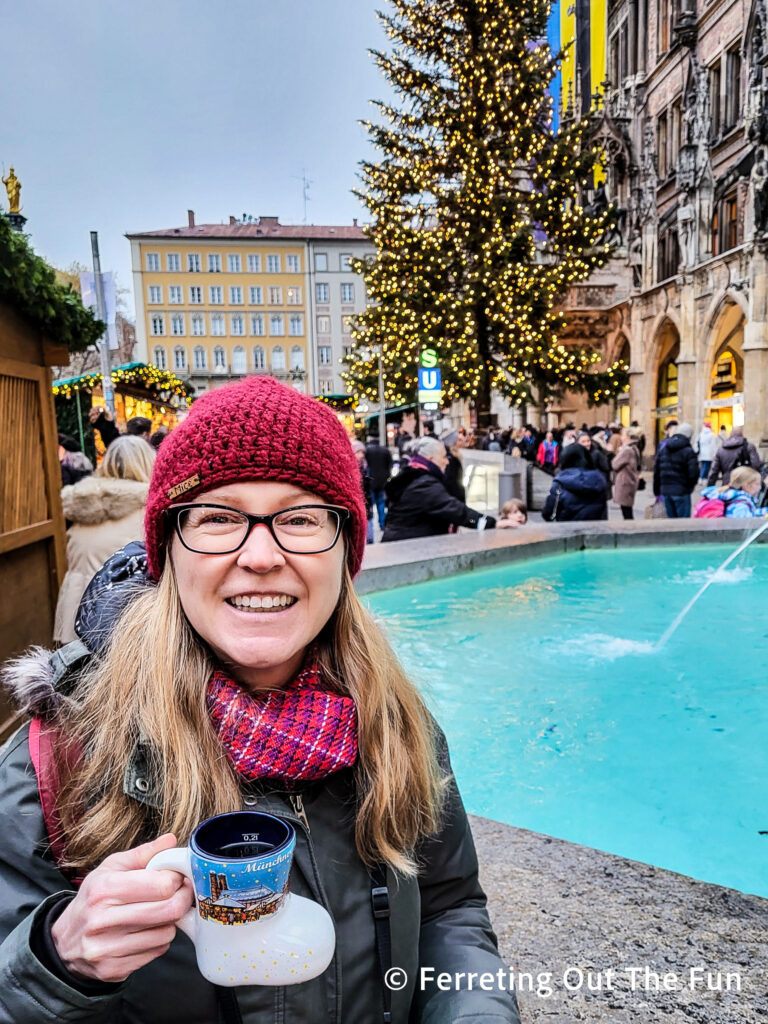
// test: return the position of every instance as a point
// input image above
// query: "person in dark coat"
(578, 490)
(420, 504)
(598, 456)
(675, 472)
(359, 449)
(74, 463)
(379, 460)
(736, 451)
(454, 471)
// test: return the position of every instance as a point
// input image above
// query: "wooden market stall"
(32, 544)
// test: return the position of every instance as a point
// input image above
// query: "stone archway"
(724, 388)
(666, 394)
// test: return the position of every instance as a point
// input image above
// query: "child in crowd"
(514, 513)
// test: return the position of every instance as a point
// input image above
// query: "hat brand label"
(184, 486)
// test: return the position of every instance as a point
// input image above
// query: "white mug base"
(293, 945)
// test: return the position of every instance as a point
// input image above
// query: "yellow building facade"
(214, 309)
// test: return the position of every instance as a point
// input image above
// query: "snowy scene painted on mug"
(241, 893)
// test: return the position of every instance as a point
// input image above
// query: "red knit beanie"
(257, 429)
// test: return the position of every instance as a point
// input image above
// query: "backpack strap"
(381, 912)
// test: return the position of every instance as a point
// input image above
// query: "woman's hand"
(123, 916)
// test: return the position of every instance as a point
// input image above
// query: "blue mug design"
(240, 865)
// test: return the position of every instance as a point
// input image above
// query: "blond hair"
(138, 693)
(742, 477)
(128, 458)
(514, 504)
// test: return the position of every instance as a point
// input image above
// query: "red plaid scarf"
(300, 732)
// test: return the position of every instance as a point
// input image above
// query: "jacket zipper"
(297, 803)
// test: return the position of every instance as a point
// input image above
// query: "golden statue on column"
(13, 188)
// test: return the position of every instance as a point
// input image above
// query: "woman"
(420, 504)
(106, 510)
(249, 675)
(547, 453)
(737, 497)
(578, 490)
(626, 469)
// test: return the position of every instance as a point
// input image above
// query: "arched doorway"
(725, 402)
(667, 396)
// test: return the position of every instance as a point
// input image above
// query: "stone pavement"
(558, 907)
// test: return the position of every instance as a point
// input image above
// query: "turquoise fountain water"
(565, 715)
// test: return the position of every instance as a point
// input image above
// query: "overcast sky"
(118, 116)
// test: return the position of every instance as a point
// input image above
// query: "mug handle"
(177, 859)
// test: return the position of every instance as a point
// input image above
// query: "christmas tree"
(477, 212)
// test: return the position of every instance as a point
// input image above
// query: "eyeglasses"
(220, 530)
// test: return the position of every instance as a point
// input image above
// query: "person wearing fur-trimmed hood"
(106, 511)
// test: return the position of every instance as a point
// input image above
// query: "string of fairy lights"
(147, 376)
(477, 212)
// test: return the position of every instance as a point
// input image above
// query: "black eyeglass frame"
(268, 521)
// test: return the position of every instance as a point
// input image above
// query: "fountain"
(742, 547)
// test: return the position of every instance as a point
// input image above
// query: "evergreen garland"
(28, 284)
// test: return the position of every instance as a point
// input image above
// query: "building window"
(239, 361)
(346, 350)
(322, 293)
(675, 134)
(669, 254)
(199, 357)
(725, 224)
(159, 357)
(155, 293)
(323, 325)
(177, 324)
(346, 324)
(278, 358)
(195, 294)
(293, 296)
(214, 263)
(215, 292)
(175, 294)
(715, 109)
(173, 263)
(256, 295)
(198, 325)
(344, 262)
(321, 261)
(259, 358)
(347, 293)
(254, 263)
(325, 387)
(296, 325)
(157, 323)
(661, 146)
(273, 264)
(276, 325)
(219, 358)
(663, 19)
(292, 264)
(234, 263)
(238, 325)
(217, 325)
(257, 325)
(324, 355)
(236, 295)
(275, 296)
(179, 358)
(193, 263)
(297, 357)
(733, 89)
(153, 261)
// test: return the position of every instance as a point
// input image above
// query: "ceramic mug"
(248, 929)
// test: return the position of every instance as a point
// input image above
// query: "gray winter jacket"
(438, 920)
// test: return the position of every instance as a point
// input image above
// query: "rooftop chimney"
(232, 220)
(191, 218)
(354, 222)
